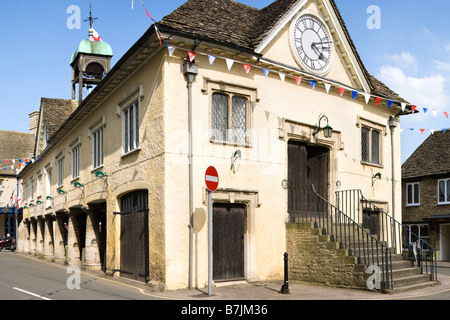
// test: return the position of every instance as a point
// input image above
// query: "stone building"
(426, 193)
(273, 98)
(14, 146)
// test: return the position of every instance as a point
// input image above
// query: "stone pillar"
(73, 248)
(91, 253)
(76, 236)
(48, 236)
(33, 232)
(40, 236)
(60, 236)
(25, 237)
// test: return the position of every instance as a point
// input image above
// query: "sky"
(403, 43)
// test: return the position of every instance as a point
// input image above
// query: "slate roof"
(14, 145)
(431, 158)
(56, 111)
(233, 23)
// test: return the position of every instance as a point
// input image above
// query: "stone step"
(401, 273)
(410, 280)
(412, 287)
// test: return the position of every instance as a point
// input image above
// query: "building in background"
(426, 193)
(15, 149)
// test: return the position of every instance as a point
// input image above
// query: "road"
(26, 278)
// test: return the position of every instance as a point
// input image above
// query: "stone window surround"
(250, 198)
(211, 86)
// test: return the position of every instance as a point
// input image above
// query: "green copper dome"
(100, 48)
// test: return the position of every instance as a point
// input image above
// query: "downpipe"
(190, 71)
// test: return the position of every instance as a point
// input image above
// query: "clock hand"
(320, 54)
(322, 43)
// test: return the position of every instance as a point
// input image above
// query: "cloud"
(428, 91)
(442, 66)
(404, 60)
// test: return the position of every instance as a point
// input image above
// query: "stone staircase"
(329, 246)
(405, 274)
(316, 255)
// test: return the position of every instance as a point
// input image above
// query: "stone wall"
(314, 258)
(429, 206)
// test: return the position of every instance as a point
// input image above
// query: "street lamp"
(327, 130)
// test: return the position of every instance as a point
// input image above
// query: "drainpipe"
(392, 125)
(190, 70)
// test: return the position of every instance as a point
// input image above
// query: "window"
(60, 172)
(444, 191)
(412, 233)
(25, 190)
(229, 123)
(96, 136)
(32, 189)
(39, 185)
(413, 194)
(48, 185)
(370, 146)
(130, 123)
(97, 148)
(76, 162)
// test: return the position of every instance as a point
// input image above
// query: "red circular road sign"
(212, 179)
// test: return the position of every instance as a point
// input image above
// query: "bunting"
(12, 164)
(313, 81)
(156, 28)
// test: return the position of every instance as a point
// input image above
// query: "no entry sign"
(212, 179)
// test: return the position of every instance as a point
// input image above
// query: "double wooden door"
(308, 165)
(134, 237)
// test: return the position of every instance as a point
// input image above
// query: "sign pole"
(212, 183)
(209, 243)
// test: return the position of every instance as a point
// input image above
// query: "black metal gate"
(228, 242)
(134, 237)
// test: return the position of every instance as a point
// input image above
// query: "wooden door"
(308, 165)
(228, 242)
(371, 221)
(134, 237)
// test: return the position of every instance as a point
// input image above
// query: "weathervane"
(90, 19)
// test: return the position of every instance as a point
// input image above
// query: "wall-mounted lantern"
(327, 130)
(376, 176)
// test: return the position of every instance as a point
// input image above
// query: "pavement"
(270, 290)
(305, 291)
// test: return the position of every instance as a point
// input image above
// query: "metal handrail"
(307, 205)
(390, 230)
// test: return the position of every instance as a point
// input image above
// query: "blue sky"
(410, 52)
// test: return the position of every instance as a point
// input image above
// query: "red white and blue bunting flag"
(158, 33)
(313, 81)
(12, 164)
(423, 130)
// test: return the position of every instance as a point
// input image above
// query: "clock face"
(312, 44)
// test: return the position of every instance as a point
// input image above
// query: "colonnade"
(75, 237)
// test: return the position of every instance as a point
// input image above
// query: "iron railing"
(388, 230)
(305, 204)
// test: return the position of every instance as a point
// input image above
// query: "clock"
(311, 43)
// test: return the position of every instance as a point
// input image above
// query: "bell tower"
(90, 62)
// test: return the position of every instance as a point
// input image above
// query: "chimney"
(34, 119)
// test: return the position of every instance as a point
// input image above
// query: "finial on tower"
(90, 19)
